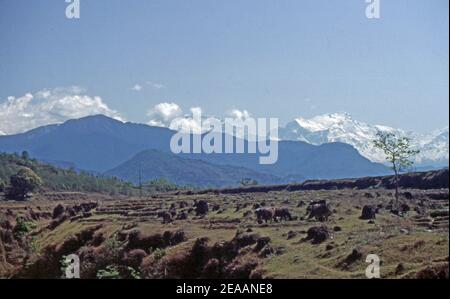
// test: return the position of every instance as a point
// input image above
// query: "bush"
(111, 272)
(118, 272)
(23, 227)
(159, 254)
(133, 273)
(113, 247)
(22, 183)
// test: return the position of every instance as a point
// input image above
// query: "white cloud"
(156, 85)
(238, 114)
(188, 123)
(162, 114)
(137, 87)
(49, 106)
(170, 115)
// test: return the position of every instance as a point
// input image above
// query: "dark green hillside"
(153, 164)
(57, 179)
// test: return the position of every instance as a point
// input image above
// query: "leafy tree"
(22, 183)
(25, 156)
(2, 186)
(398, 153)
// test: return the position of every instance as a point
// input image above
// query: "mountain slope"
(155, 164)
(99, 143)
(341, 127)
(434, 148)
(298, 161)
(95, 143)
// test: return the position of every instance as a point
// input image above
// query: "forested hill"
(58, 179)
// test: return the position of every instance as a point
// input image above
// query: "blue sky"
(274, 58)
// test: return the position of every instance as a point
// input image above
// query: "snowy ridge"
(341, 127)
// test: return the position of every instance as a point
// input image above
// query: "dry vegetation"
(135, 237)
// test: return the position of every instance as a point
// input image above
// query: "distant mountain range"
(104, 145)
(341, 127)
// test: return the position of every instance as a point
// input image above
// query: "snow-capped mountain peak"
(341, 127)
(324, 122)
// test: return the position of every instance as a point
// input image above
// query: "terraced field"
(137, 238)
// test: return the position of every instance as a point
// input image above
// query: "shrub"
(64, 262)
(158, 254)
(22, 183)
(23, 227)
(133, 273)
(111, 272)
(114, 247)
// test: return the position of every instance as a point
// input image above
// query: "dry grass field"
(134, 237)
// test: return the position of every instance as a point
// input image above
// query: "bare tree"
(398, 152)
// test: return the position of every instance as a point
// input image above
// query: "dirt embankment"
(438, 179)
